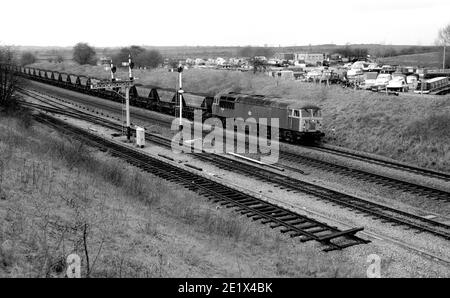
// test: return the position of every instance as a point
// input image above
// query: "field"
(205, 52)
(421, 60)
(58, 197)
(408, 128)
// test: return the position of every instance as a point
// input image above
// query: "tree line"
(251, 52)
(85, 54)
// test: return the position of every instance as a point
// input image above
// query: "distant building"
(285, 56)
(104, 61)
(282, 74)
(310, 58)
(237, 61)
(261, 58)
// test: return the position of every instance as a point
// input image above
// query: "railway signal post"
(120, 84)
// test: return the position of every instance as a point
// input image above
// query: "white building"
(309, 58)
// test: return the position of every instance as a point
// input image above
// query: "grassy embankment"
(58, 196)
(431, 59)
(408, 128)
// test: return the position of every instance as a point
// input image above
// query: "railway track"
(293, 224)
(393, 183)
(388, 163)
(377, 211)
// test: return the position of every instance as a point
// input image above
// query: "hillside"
(422, 60)
(59, 197)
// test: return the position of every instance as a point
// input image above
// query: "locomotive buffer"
(114, 85)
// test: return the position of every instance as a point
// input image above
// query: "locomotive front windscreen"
(306, 113)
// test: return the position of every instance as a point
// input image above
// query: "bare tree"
(258, 64)
(8, 80)
(444, 40)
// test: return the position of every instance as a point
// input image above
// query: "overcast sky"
(225, 22)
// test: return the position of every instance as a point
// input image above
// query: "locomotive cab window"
(227, 102)
(306, 113)
(317, 113)
(296, 113)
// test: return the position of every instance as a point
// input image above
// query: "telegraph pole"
(443, 59)
(180, 95)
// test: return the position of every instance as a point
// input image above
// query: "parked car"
(359, 65)
(370, 79)
(398, 83)
(382, 81)
(372, 67)
(354, 72)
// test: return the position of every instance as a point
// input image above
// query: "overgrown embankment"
(58, 197)
(408, 128)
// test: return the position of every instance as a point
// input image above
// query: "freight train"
(298, 121)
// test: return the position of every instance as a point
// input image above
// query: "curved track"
(294, 224)
(378, 211)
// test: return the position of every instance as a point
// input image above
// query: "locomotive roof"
(272, 101)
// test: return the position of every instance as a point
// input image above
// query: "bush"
(84, 54)
(141, 57)
(27, 58)
(150, 59)
(122, 55)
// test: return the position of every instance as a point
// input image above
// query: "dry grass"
(360, 120)
(56, 195)
(422, 60)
